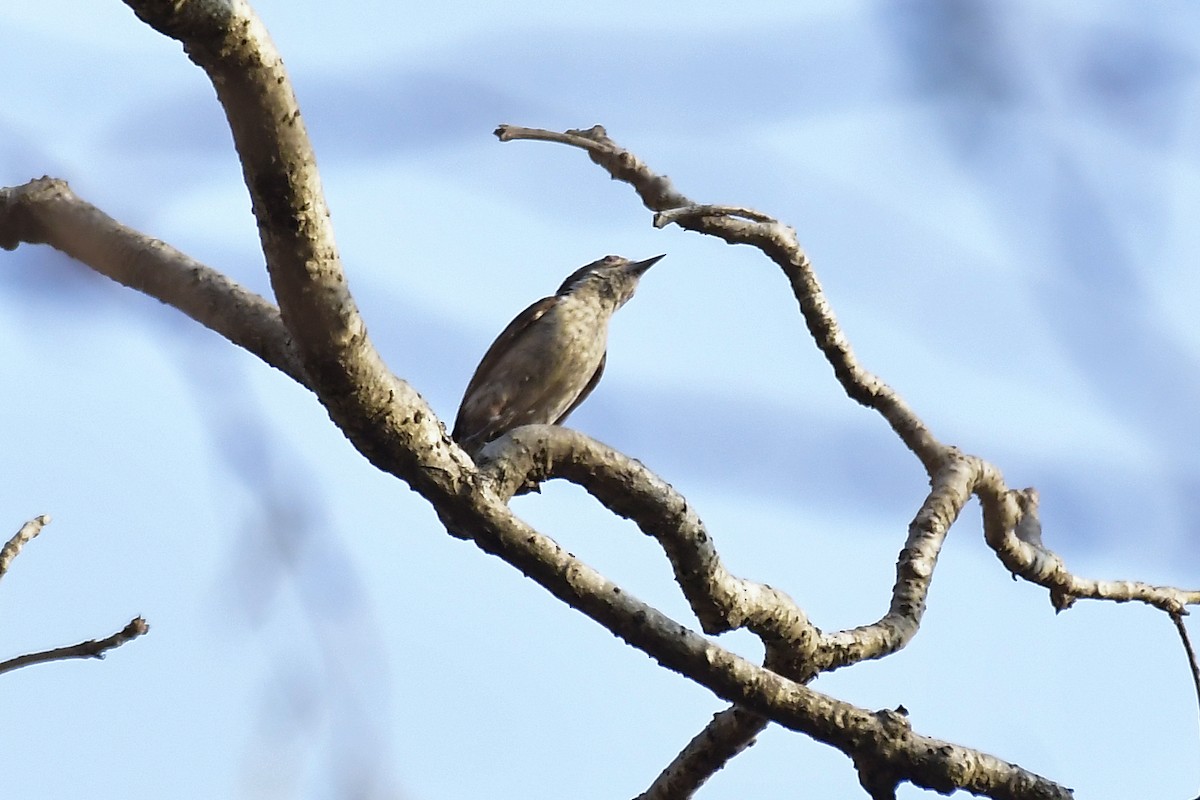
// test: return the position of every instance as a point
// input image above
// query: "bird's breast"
(572, 341)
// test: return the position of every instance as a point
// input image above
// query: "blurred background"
(1000, 200)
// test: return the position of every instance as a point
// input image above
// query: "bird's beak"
(639, 267)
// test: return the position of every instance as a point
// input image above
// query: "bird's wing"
(476, 417)
(591, 384)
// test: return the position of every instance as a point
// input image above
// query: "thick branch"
(46, 211)
(729, 733)
(883, 749)
(382, 415)
(720, 600)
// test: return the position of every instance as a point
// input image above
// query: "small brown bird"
(550, 358)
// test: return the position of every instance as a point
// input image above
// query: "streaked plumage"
(550, 358)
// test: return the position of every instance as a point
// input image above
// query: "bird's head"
(611, 276)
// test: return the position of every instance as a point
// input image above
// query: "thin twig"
(1177, 618)
(22, 537)
(90, 649)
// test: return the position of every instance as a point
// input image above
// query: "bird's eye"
(611, 260)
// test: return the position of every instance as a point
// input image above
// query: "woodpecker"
(550, 358)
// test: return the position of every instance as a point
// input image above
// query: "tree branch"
(1010, 517)
(1003, 511)
(382, 415)
(952, 486)
(1193, 666)
(721, 601)
(46, 211)
(396, 430)
(778, 242)
(734, 224)
(729, 733)
(12, 548)
(90, 649)
(883, 749)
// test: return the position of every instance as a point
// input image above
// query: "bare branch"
(729, 733)
(664, 218)
(389, 423)
(952, 487)
(12, 547)
(1193, 667)
(1003, 510)
(46, 211)
(891, 750)
(720, 600)
(396, 430)
(655, 190)
(1010, 519)
(385, 418)
(726, 735)
(740, 226)
(878, 746)
(90, 649)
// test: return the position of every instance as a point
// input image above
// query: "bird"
(550, 357)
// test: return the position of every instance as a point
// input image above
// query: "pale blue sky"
(1000, 199)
